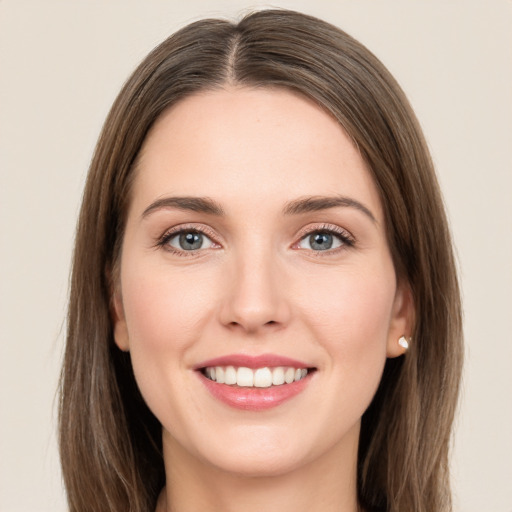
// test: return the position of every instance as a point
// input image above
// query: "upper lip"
(260, 361)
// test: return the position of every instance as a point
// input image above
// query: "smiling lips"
(254, 383)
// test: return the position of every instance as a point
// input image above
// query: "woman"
(264, 308)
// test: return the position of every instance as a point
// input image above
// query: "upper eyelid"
(324, 227)
(189, 227)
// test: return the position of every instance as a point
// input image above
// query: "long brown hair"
(109, 440)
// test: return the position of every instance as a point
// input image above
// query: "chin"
(258, 464)
(259, 451)
(251, 451)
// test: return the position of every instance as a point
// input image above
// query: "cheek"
(165, 316)
(351, 318)
(360, 299)
(164, 311)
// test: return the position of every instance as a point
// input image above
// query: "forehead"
(250, 145)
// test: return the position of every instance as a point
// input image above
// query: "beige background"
(62, 63)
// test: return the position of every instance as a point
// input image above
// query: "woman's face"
(255, 248)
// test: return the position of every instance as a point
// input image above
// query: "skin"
(257, 286)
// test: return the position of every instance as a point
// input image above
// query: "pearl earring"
(404, 342)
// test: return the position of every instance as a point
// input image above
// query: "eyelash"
(347, 240)
(164, 240)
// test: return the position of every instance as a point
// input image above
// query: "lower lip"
(254, 399)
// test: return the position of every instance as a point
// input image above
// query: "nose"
(256, 296)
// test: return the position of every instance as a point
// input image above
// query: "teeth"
(220, 375)
(230, 375)
(278, 376)
(259, 378)
(289, 375)
(245, 377)
(263, 378)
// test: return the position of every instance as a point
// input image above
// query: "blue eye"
(322, 241)
(189, 241)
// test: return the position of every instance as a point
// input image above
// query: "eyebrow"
(194, 204)
(319, 203)
(296, 207)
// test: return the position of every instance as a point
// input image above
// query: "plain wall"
(61, 65)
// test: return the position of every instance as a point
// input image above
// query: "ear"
(402, 319)
(119, 322)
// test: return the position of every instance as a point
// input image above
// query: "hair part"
(110, 442)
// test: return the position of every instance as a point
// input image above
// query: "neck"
(326, 484)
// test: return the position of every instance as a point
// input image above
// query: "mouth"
(264, 377)
(255, 383)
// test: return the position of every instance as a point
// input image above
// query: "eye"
(324, 240)
(187, 240)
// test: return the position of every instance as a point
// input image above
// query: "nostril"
(250, 326)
